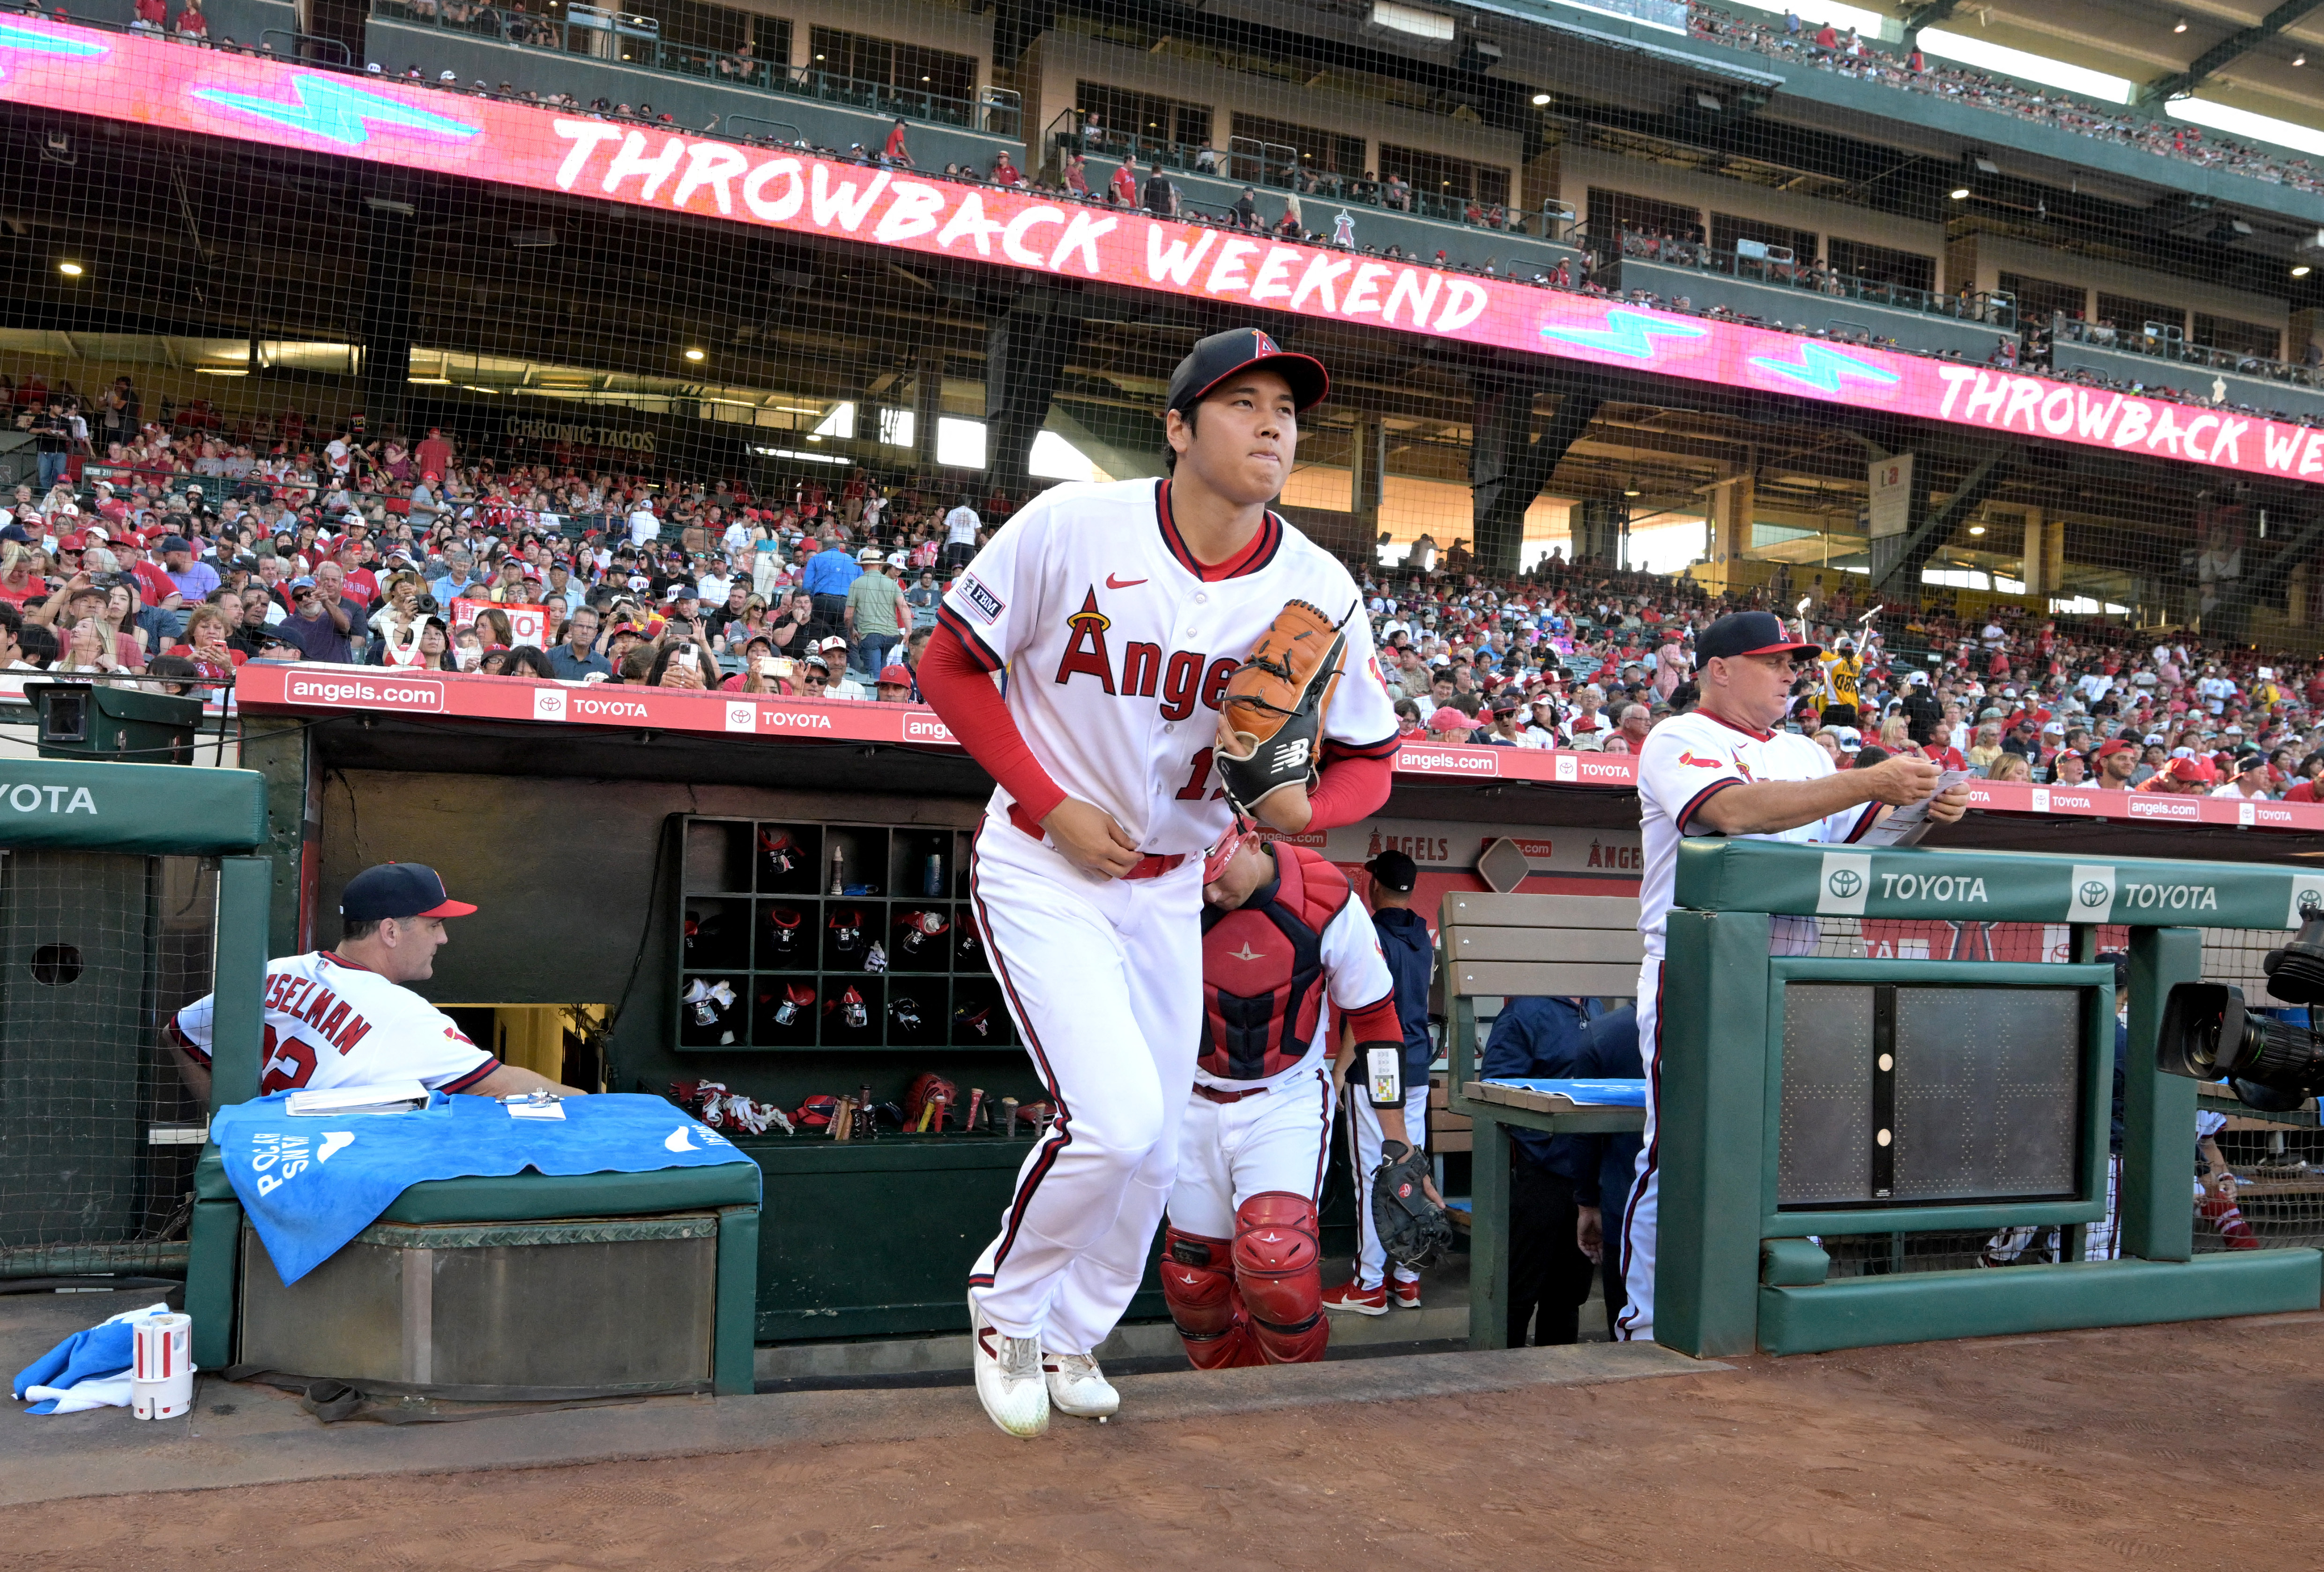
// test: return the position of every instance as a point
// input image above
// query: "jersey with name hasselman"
(1118, 644)
(329, 1023)
(1689, 758)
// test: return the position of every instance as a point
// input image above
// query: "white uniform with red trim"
(1118, 646)
(332, 1022)
(1686, 761)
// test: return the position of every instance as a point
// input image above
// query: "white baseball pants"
(1635, 1324)
(1104, 981)
(1371, 1260)
(1230, 1152)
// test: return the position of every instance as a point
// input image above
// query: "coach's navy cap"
(1394, 870)
(1746, 633)
(399, 890)
(1221, 354)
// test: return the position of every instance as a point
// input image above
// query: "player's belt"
(1212, 1094)
(1153, 865)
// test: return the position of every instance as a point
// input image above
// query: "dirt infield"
(2172, 1446)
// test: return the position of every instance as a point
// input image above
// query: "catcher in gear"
(1284, 946)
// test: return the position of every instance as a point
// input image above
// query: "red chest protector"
(1263, 968)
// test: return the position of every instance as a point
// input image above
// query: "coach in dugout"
(344, 1016)
(1728, 767)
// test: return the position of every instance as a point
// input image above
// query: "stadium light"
(1959, 193)
(1540, 100)
(2301, 272)
(71, 270)
(1977, 529)
(694, 354)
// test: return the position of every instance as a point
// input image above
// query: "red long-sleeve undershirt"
(959, 687)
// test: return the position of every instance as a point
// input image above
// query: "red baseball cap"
(891, 673)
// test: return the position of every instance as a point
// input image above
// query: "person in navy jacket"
(1411, 955)
(1562, 1187)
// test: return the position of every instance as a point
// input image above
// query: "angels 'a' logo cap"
(1748, 633)
(398, 890)
(1218, 357)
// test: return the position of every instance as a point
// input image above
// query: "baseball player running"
(1121, 613)
(1728, 768)
(343, 1016)
(1240, 1263)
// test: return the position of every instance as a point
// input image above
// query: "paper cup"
(161, 1367)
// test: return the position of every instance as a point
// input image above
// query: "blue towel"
(311, 1184)
(90, 1369)
(1610, 1094)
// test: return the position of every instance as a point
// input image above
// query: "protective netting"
(98, 1134)
(314, 264)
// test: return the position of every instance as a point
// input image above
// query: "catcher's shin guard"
(1204, 1306)
(1277, 1266)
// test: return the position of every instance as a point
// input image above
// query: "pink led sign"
(156, 83)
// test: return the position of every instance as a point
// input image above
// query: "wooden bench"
(1494, 947)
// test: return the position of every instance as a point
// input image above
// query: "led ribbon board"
(153, 82)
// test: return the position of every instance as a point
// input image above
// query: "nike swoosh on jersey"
(1112, 583)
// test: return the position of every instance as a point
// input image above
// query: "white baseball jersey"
(1119, 644)
(332, 1022)
(1691, 759)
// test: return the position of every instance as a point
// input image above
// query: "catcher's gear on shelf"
(846, 926)
(797, 998)
(782, 852)
(921, 931)
(1275, 704)
(1412, 1229)
(852, 1011)
(905, 1011)
(709, 1002)
(783, 931)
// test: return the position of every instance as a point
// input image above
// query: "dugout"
(588, 840)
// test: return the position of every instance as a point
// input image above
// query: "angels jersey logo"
(1182, 680)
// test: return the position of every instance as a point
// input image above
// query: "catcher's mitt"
(1412, 1229)
(1274, 703)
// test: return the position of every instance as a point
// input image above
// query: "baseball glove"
(1412, 1229)
(1275, 704)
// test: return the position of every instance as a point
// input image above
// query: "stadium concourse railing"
(2156, 354)
(588, 33)
(1279, 168)
(1774, 268)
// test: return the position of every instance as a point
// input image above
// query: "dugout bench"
(1498, 946)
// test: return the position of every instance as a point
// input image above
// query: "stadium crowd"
(180, 551)
(1842, 51)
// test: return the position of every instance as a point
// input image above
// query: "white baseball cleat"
(1009, 1382)
(1077, 1387)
